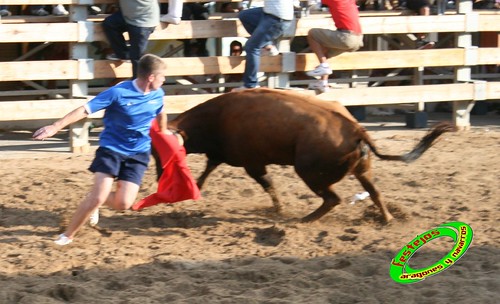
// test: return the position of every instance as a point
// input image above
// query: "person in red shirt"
(326, 43)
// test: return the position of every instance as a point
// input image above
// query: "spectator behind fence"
(265, 26)
(423, 8)
(227, 7)
(197, 47)
(236, 49)
(326, 43)
(137, 17)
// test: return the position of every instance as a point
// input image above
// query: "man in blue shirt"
(124, 144)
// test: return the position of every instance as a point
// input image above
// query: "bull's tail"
(424, 144)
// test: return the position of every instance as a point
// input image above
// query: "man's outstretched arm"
(50, 130)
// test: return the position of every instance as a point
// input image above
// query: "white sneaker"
(94, 218)
(319, 86)
(242, 88)
(39, 12)
(169, 19)
(5, 13)
(59, 10)
(319, 71)
(55, 96)
(272, 51)
(63, 240)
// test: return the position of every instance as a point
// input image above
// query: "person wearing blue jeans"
(139, 19)
(265, 25)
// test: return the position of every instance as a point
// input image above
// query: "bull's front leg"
(260, 175)
(211, 165)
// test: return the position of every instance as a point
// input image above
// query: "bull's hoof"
(309, 219)
(388, 218)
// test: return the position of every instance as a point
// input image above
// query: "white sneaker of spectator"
(94, 10)
(269, 50)
(169, 19)
(319, 71)
(242, 88)
(113, 57)
(5, 13)
(59, 10)
(319, 86)
(63, 240)
(40, 12)
(55, 96)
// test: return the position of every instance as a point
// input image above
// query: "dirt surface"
(229, 247)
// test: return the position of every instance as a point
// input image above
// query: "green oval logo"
(402, 273)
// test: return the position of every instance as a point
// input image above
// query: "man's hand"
(45, 132)
(180, 139)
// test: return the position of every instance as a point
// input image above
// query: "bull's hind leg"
(260, 175)
(211, 165)
(330, 200)
(363, 174)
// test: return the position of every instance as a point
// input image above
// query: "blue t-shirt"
(128, 116)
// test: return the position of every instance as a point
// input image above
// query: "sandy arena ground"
(229, 247)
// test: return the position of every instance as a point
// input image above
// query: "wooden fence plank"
(386, 59)
(401, 94)
(488, 56)
(39, 32)
(187, 66)
(38, 70)
(174, 104)
(233, 28)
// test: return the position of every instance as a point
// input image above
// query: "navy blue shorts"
(122, 167)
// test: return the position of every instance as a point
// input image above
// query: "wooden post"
(417, 119)
(462, 109)
(79, 136)
(79, 132)
(282, 79)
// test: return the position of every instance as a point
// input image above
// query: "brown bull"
(254, 128)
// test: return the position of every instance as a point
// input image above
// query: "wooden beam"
(40, 32)
(489, 23)
(493, 90)
(189, 30)
(174, 104)
(386, 59)
(401, 94)
(37, 109)
(180, 66)
(38, 70)
(488, 56)
(188, 66)
(410, 94)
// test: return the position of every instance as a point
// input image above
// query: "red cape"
(176, 183)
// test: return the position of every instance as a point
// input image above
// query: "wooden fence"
(461, 57)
